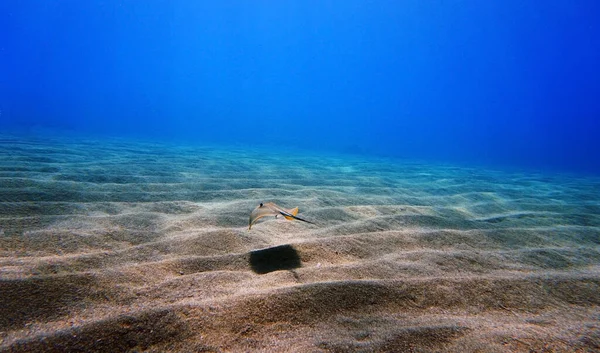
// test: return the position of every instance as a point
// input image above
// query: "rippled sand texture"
(116, 246)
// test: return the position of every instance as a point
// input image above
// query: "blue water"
(497, 83)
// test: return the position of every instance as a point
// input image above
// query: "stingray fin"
(293, 212)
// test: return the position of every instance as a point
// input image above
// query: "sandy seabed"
(114, 246)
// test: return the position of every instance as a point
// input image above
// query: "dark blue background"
(506, 82)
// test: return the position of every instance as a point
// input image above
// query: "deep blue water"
(501, 83)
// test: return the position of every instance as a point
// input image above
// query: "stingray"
(271, 209)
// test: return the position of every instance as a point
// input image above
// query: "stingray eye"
(261, 205)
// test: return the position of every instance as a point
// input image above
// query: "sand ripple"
(119, 246)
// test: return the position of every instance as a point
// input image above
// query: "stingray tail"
(304, 220)
(291, 214)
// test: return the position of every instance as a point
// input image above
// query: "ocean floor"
(115, 246)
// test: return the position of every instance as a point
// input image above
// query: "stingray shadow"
(282, 257)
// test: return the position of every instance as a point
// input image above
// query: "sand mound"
(118, 246)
